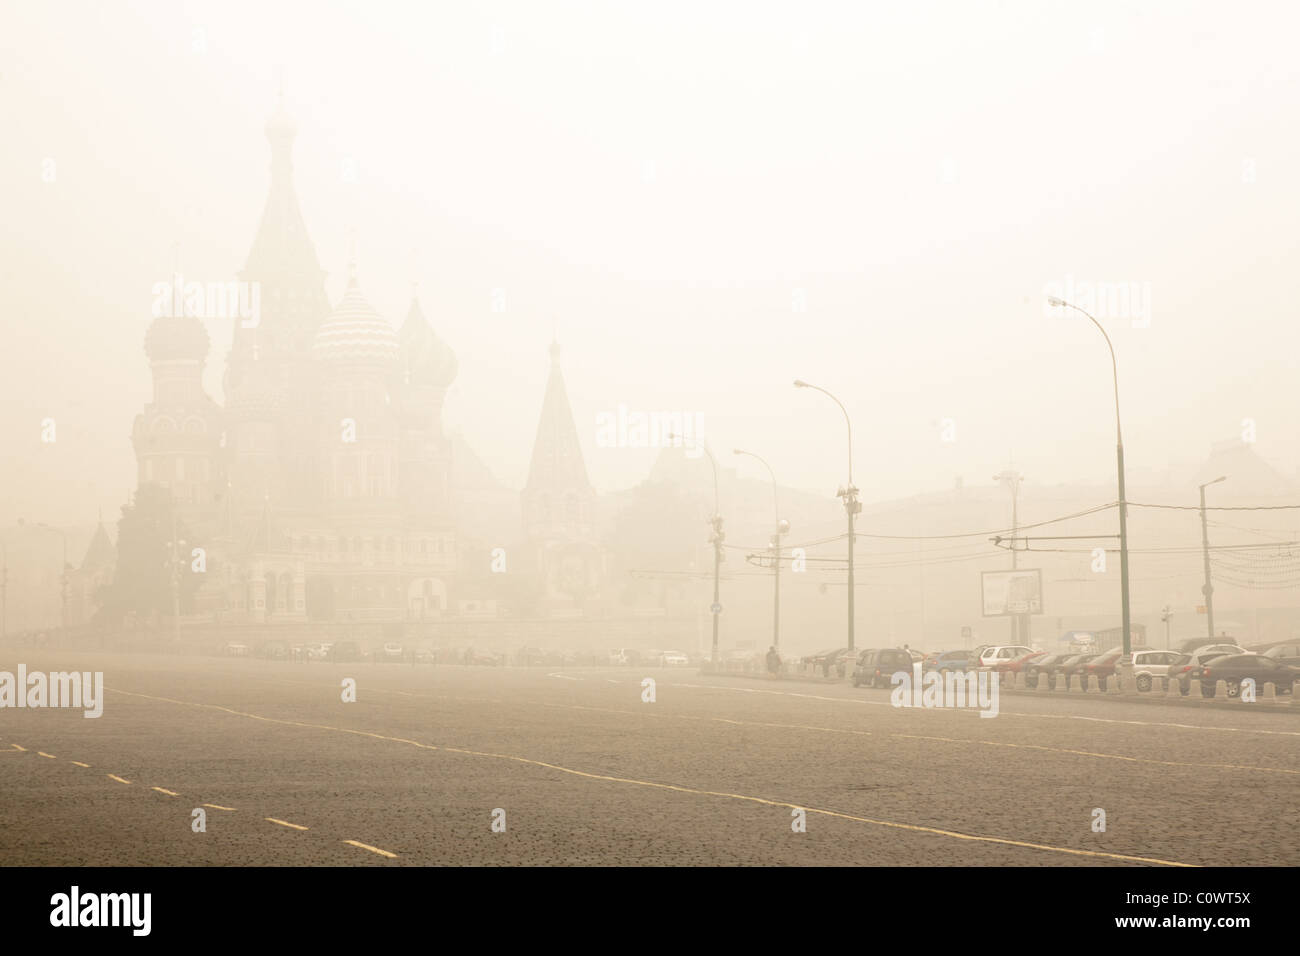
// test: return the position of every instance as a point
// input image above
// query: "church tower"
(269, 381)
(176, 437)
(559, 506)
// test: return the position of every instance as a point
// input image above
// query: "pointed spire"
(557, 463)
(282, 245)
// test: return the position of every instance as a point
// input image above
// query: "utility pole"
(847, 494)
(1208, 587)
(716, 539)
(1011, 479)
(1166, 615)
(781, 527)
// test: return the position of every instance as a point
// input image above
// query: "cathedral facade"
(320, 489)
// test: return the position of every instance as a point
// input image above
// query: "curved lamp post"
(849, 495)
(1119, 459)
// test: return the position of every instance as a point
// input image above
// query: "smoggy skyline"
(876, 204)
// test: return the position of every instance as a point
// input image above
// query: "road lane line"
(284, 823)
(1003, 713)
(214, 806)
(42, 753)
(79, 763)
(170, 793)
(674, 788)
(372, 849)
(19, 747)
(113, 776)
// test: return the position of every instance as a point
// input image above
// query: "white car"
(675, 659)
(1150, 666)
(1001, 653)
(392, 652)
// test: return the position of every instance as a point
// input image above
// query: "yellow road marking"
(214, 806)
(19, 747)
(113, 776)
(170, 793)
(284, 823)
(675, 788)
(42, 753)
(372, 849)
(79, 763)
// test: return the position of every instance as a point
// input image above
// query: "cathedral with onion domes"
(320, 489)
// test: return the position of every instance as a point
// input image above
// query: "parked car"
(1190, 669)
(1070, 667)
(825, 660)
(1232, 669)
(1283, 654)
(1150, 666)
(1104, 666)
(1040, 668)
(674, 659)
(235, 650)
(625, 656)
(875, 667)
(390, 651)
(1016, 665)
(994, 654)
(947, 661)
(275, 650)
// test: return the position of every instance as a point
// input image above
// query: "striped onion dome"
(355, 332)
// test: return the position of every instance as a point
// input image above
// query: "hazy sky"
(666, 185)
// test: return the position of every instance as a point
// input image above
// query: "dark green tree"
(146, 552)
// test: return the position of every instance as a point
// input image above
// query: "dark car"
(948, 661)
(1070, 667)
(825, 660)
(876, 667)
(1284, 654)
(1041, 667)
(1232, 669)
(345, 651)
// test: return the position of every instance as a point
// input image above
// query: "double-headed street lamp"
(1012, 479)
(1208, 588)
(849, 495)
(780, 528)
(1119, 458)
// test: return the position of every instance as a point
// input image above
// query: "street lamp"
(1119, 459)
(781, 527)
(849, 495)
(1208, 588)
(716, 539)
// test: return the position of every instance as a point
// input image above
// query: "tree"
(142, 581)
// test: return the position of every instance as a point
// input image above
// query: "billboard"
(1006, 593)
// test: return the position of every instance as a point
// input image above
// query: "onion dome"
(356, 333)
(176, 339)
(426, 359)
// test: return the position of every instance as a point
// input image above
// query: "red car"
(1103, 666)
(1017, 664)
